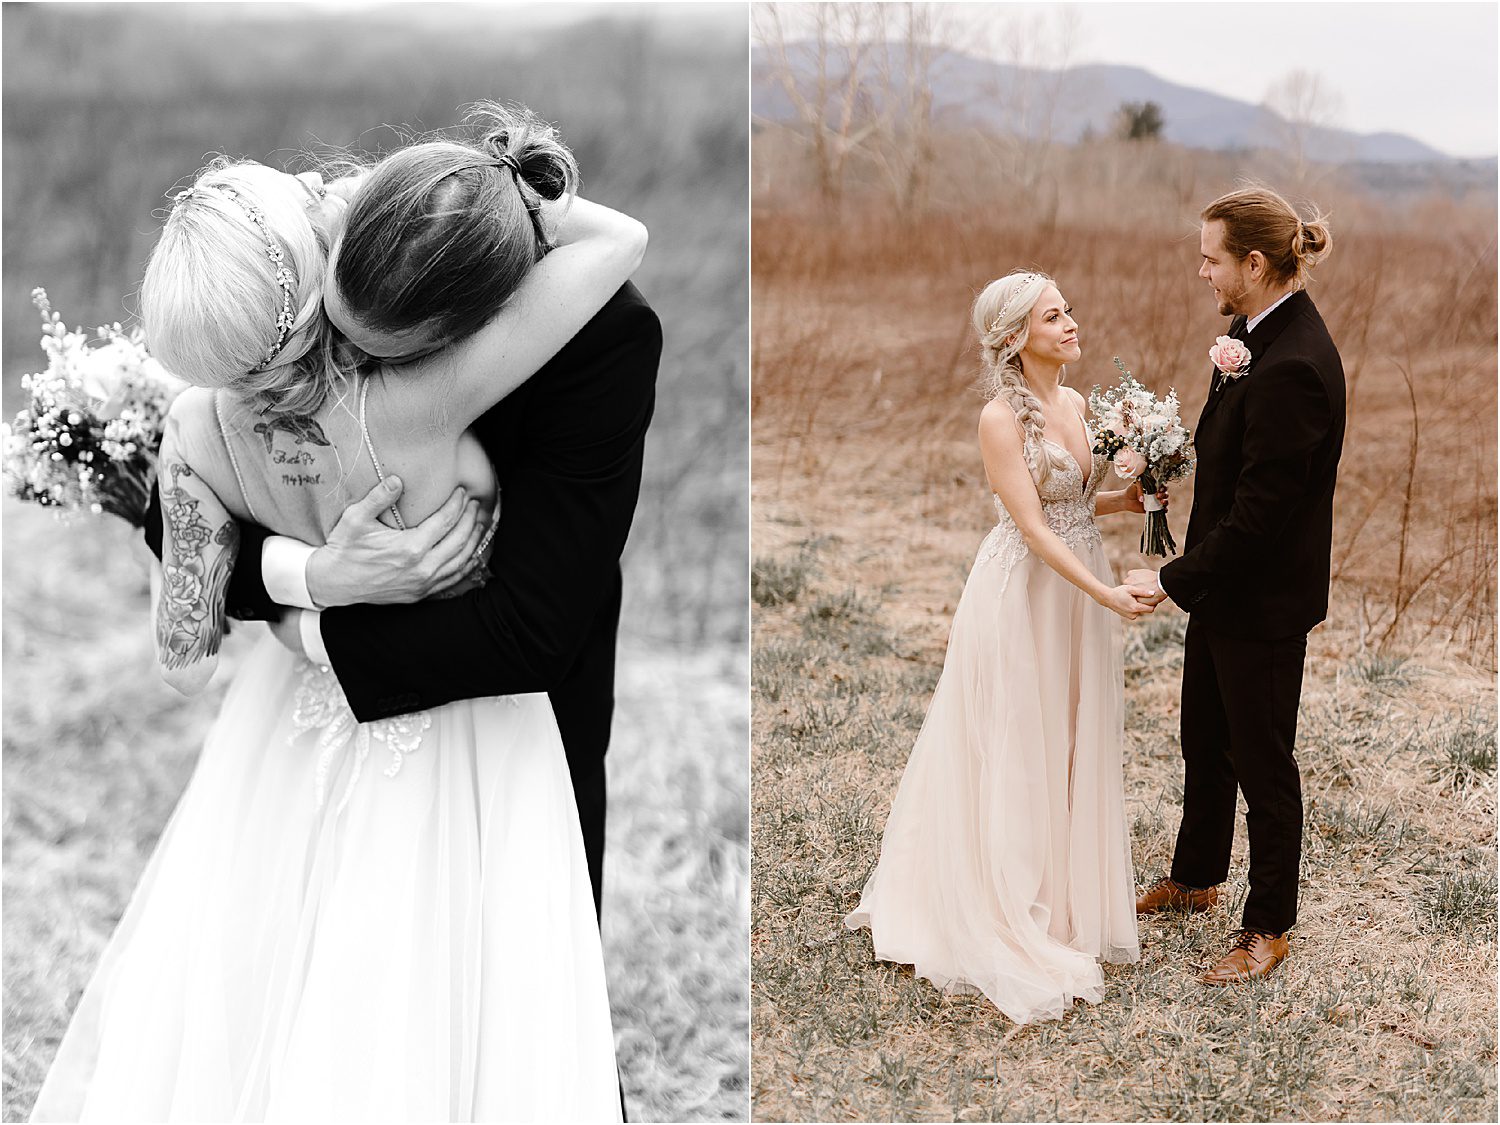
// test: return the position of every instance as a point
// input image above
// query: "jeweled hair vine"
(233, 291)
(284, 278)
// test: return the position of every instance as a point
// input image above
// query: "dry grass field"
(868, 503)
(105, 108)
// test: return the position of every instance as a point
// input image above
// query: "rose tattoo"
(190, 617)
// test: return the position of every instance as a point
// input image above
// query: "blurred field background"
(872, 234)
(106, 108)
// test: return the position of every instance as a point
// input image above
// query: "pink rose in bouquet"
(1129, 464)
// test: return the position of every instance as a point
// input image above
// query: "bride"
(388, 921)
(1005, 866)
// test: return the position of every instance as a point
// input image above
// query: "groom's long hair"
(443, 231)
(1256, 218)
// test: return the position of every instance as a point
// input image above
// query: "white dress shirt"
(283, 568)
(1265, 312)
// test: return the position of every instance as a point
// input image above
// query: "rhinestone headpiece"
(1014, 293)
(285, 318)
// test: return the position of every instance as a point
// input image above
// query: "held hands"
(1149, 587)
(366, 561)
(1129, 601)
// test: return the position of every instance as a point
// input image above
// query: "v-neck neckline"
(1088, 444)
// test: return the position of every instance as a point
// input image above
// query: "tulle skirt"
(387, 922)
(1005, 866)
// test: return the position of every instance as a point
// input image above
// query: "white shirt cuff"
(310, 628)
(283, 568)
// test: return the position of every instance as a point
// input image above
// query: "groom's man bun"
(443, 231)
(1256, 218)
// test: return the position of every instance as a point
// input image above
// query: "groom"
(1254, 572)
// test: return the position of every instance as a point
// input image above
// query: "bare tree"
(912, 42)
(1039, 51)
(823, 78)
(1301, 110)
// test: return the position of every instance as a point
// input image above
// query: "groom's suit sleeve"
(565, 512)
(1287, 418)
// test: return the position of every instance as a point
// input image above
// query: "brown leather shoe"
(1253, 954)
(1167, 894)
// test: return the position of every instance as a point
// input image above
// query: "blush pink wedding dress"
(1005, 867)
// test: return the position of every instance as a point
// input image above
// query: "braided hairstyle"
(1002, 320)
(210, 298)
(443, 231)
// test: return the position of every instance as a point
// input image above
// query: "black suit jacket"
(1257, 556)
(568, 448)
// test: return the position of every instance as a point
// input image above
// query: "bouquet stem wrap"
(1156, 535)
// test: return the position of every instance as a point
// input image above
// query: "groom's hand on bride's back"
(365, 561)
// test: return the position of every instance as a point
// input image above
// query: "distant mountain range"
(968, 90)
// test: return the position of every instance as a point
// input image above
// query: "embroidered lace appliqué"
(320, 706)
(1067, 513)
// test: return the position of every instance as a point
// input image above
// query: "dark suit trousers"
(1239, 727)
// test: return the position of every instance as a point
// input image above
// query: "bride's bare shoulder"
(998, 424)
(191, 421)
(193, 406)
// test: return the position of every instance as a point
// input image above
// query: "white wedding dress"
(1005, 866)
(387, 921)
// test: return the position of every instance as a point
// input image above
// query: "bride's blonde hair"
(217, 311)
(1002, 320)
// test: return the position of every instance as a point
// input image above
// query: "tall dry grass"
(862, 358)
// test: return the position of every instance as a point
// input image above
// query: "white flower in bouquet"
(1169, 442)
(103, 373)
(88, 438)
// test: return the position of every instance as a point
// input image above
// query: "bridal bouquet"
(89, 437)
(1146, 439)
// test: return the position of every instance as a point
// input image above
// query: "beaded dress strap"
(364, 391)
(234, 462)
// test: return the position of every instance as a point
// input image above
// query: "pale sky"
(1424, 69)
(719, 18)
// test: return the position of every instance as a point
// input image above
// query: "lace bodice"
(1067, 503)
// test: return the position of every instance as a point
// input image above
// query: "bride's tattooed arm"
(197, 560)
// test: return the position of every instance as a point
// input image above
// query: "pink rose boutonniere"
(1230, 356)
